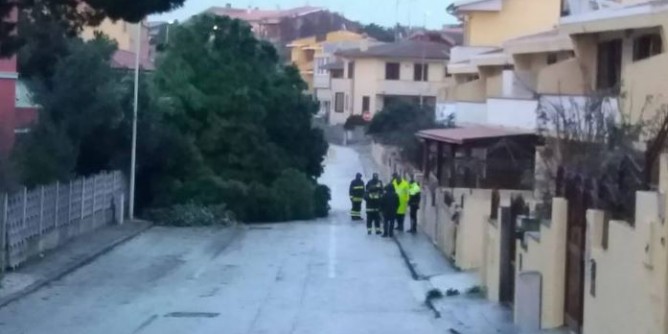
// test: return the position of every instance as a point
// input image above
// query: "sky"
(383, 12)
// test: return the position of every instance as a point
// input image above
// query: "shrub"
(191, 214)
(296, 192)
(322, 197)
(354, 121)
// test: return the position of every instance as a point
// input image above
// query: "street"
(323, 276)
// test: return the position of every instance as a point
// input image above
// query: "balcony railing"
(472, 91)
(410, 87)
(562, 78)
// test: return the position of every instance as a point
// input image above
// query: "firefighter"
(389, 205)
(356, 193)
(414, 192)
(401, 187)
(374, 192)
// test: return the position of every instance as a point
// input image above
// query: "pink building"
(8, 77)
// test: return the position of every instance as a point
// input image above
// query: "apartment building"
(308, 53)
(368, 78)
(125, 35)
(328, 66)
(481, 64)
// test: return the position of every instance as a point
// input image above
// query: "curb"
(69, 269)
(416, 276)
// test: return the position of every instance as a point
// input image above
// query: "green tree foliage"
(79, 117)
(379, 33)
(73, 15)
(221, 122)
(245, 119)
(397, 124)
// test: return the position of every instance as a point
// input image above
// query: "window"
(391, 71)
(421, 72)
(647, 46)
(337, 74)
(351, 70)
(365, 103)
(338, 102)
(609, 67)
(551, 58)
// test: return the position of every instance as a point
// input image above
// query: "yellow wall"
(631, 290)
(562, 78)
(518, 17)
(124, 33)
(548, 257)
(305, 50)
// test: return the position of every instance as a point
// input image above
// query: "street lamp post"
(133, 158)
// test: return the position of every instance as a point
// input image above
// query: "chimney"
(364, 44)
(228, 5)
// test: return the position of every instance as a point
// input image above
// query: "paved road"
(315, 277)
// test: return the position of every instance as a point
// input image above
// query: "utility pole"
(133, 158)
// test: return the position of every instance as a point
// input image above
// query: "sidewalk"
(62, 261)
(464, 312)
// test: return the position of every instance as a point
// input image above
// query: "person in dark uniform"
(374, 192)
(414, 192)
(389, 205)
(356, 193)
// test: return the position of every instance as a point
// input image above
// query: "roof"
(402, 49)
(547, 41)
(609, 17)
(126, 60)
(255, 14)
(473, 133)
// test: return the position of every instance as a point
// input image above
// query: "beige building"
(481, 71)
(125, 35)
(307, 54)
(368, 78)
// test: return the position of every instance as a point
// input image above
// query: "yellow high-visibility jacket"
(403, 191)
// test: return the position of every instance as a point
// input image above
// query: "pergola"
(480, 156)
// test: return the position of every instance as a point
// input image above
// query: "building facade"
(368, 78)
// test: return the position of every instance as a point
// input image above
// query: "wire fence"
(37, 220)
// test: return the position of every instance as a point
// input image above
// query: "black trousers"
(388, 224)
(413, 215)
(400, 221)
(372, 220)
(356, 211)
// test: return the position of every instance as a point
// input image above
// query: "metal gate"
(578, 201)
(507, 257)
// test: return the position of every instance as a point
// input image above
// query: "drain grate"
(260, 228)
(191, 315)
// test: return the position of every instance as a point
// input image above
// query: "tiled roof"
(255, 14)
(402, 49)
(126, 60)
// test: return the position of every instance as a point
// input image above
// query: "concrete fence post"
(69, 204)
(57, 205)
(41, 210)
(24, 203)
(4, 199)
(93, 209)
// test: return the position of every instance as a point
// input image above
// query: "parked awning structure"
(479, 156)
(468, 135)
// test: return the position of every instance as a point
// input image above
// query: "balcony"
(562, 78)
(472, 91)
(321, 81)
(410, 87)
(645, 86)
